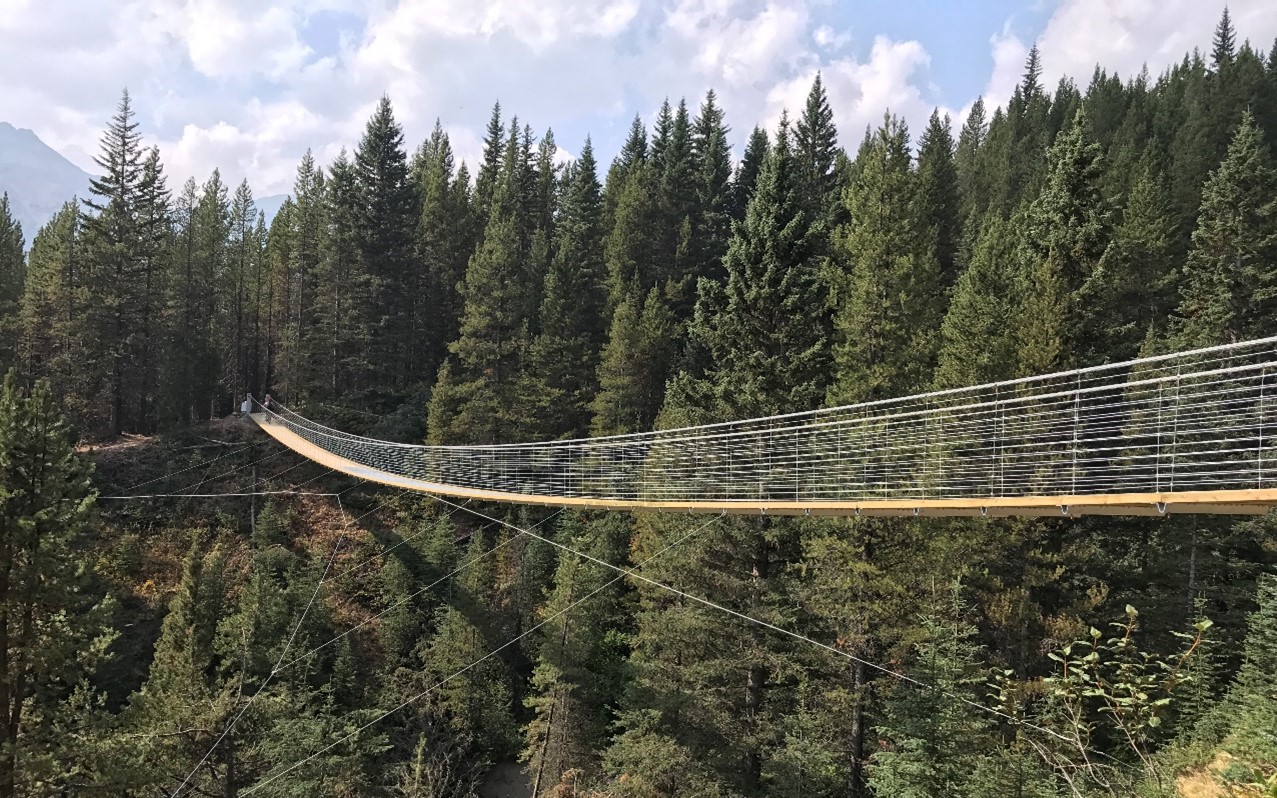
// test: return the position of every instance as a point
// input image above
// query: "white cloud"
(861, 91)
(239, 83)
(829, 39)
(1123, 36)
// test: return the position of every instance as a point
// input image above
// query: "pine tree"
(886, 288)
(633, 366)
(633, 155)
(712, 224)
(1224, 44)
(179, 697)
(12, 277)
(1132, 291)
(631, 246)
(1016, 156)
(236, 289)
(1066, 231)
(475, 398)
(674, 158)
(385, 237)
(564, 357)
(747, 172)
(577, 678)
(815, 147)
(51, 332)
(490, 167)
(936, 742)
(52, 634)
(973, 184)
(1254, 695)
(153, 249)
(441, 247)
(766, 329)
(111, 238)
(334, 338)
(1230, 283)
(975, 345)
(938, 193)
(305, 285)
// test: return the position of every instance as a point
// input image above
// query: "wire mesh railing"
(1190, 421)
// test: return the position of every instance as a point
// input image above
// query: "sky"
(249, 85)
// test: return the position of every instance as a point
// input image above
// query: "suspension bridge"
(1189, 432)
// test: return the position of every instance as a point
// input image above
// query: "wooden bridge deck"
(1229, 502)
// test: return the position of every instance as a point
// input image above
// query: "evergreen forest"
(187, 609)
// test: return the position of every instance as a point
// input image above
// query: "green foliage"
(1230, 284)
(13, 266)
(976, 346)
(53, 629)
(272, 527)
(1253, 697)
(384, 234)
(764, 329)
(1107, 693)
(935, 743)
(886, 290)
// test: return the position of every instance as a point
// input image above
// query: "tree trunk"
(856, 779)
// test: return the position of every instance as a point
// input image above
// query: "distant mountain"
(39, 180)
(36, 177)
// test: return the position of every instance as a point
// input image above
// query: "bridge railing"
(1196, 420)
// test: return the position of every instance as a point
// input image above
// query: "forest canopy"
(399, 646)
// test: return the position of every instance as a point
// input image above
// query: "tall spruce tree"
(767, 328)
(1132, 291)
(236, 288)
(564, 357)
(1065, 232)
(52, 631)
(333, 339)
(633, 366)
(935, 743)
(490, 166)
(111, 244)
(885, 282)
(815, 148)
(475, 397)
(576, 680)
(385, 238)
(1254, 695)
(712, 224)
(938, 196)
(973, 183)
(304, 283)
(975, 345)
(632, 244)
(154, 221)
(747, 171)
(50, 332)
(13, 264)
(442, 248)
(1230, 284)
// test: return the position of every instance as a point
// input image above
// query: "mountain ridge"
(40, 180)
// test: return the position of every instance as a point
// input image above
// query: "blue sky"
(248, 85)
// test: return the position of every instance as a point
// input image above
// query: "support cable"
(474, 663)
(297, 627)
(416, 593)
(788, 632)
